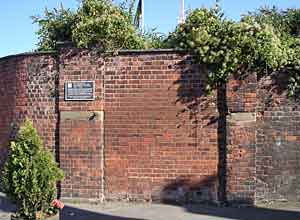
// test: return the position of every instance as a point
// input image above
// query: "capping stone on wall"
(81, 115)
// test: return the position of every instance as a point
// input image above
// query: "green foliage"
(97, 23)
(286, 24)
(263, 43)
(55, 26)
(154, 39)
(103, 24)
(284, 21)
(30, 173)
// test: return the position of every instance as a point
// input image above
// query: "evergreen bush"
(30, 174)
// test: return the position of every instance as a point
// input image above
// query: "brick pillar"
(81, 128)
(80, 154)
(241, 143)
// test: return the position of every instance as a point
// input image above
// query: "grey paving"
(126, 211)
(6, 208)
(145, 211)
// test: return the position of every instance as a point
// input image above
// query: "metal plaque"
(80, 90)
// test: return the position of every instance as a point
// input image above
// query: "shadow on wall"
(184, 190)
(273, 91)
(197, 109)
(188, 190)
(191, 93)
(201, 107)
(197, 197)
(278, 152)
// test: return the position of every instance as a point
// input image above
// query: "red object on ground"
(57, 204)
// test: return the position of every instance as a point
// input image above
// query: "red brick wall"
(241, 139)
(26, 86)
(277, 141)
(80, 156)
(262, 141)
(159, 139)
(36, 96)
(158, 143)
(151, 133)
(8, 68)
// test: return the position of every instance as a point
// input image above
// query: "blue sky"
(18, 32)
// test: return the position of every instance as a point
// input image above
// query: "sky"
(17, 33)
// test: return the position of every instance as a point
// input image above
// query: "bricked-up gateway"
(142, 127)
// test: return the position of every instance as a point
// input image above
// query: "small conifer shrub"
(30, 174)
